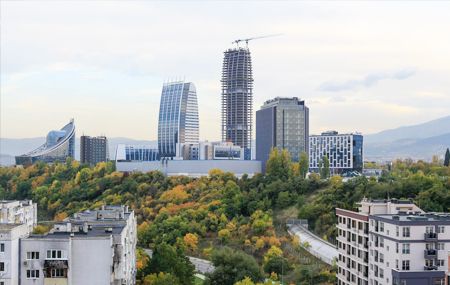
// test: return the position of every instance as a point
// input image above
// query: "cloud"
(368, 81)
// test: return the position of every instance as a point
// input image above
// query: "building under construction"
(237, 98)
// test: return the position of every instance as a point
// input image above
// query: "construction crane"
(254, 38)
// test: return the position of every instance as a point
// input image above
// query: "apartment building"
(353, 243)
(18, 212)
(92, 247)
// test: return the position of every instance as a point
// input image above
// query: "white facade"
(10, 235)
(192, 168)
(93, 247)
(344, 151)
(18, 212)
(354, 248)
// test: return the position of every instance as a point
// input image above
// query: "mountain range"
(420, 141)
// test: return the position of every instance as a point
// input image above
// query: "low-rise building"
(93, 247)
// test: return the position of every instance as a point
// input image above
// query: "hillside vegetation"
(236, 223)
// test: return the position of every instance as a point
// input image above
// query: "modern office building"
(93, 247)
(282, 123)
(237, 98)
(192, 168)
(210, 151)
(18, 212)
(129, 153)
(93, 149)
(344, 151)
(178, 117)
(392, 242)
(58, 146)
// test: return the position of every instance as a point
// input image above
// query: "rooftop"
(103, 230)
(428, 217)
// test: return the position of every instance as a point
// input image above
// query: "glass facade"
(282, 123)
(136, 153)
(344, 151)
(178, 117)
(58, 146)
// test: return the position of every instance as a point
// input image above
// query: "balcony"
(431, 237)
(431, 267)
(430, 254)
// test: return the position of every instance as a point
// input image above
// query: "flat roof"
(94, 231)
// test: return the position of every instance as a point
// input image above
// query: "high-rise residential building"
(58, 146)
(344, 151)
(178, 117)
(93, 149)
(392, 242)
(17, 220)
(237, 98)
(93, 247)
(282, 123)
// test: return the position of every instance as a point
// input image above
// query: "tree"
(303, 164)
(447, 158)
(168, 259)
(325, 167)
(161, 279)
(191, 241)
(278, 165)
(232, 266)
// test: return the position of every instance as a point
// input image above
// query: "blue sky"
(360, 66)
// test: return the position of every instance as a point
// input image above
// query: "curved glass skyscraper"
(237, 98)
(178, 117)
(58, 146)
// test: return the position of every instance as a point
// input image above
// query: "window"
(54, 254)
(406, 232)
(405, 265)
(396, 247)
(396, 264)
(381, 227)
(33, 255)
(440, 262)
(57, 272)
(2, 266)
(405, 248)
(441, 229)
(2, 247)
(440, 246)
(33, 274)
(430, 229)
(396, 231)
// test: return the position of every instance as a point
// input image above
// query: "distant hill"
(421, 131)
(408, 148)
(12, 147)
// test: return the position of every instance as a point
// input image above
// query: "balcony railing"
(431, 267)
(430, 253)
(431, 236)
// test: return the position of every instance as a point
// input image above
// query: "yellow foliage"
(274, 241)
(60, 216)
(191, 241)
(40, 229)
(274, 251)
(260, 244)
(245, 281)
(177, 195)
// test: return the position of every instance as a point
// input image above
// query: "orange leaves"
(191, 241)
(177, 195)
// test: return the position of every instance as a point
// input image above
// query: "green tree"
(325, 167)
(447, 158)
(303, 164)
(161, 279)
(232, 266)
(169, 259)
(278, 165)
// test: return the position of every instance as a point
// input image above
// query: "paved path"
(321, 249)
(202, 266)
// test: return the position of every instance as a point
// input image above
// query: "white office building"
(18, 212)
(344, 151)
(93, 247)
(392, 242)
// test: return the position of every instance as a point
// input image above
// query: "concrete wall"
(192, 168)
(92, 260)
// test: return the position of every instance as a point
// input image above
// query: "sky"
(359, 66)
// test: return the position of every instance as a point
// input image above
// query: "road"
(202, 266)
(321, 249)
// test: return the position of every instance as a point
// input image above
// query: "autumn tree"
(278, 165)
(303, 164)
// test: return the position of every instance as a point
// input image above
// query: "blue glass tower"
(178, 117)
